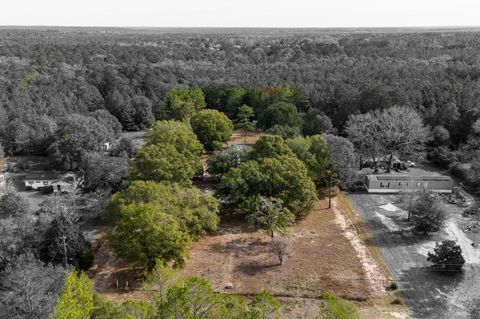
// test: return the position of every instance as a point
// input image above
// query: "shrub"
(393, 286)
(446, 256)
(337, 308)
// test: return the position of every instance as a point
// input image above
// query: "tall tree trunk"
(375, 164)
(389, 167)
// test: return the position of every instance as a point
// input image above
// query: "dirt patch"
(375, 276)
(112, 276)
(238, 138)
(321, 260)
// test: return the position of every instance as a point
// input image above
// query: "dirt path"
(375, 276)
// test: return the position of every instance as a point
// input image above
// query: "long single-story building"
(392, 183)
(59, 182)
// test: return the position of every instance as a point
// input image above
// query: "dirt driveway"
(428, 294)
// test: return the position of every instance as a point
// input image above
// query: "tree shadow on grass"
(255, 268)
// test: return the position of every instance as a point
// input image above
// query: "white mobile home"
(392, 183)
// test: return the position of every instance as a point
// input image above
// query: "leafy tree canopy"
(212, 127)
(270, 146)
(284, 177)
(145, 234)
(182, 103)
(281, 113)
(76, 299)
(195, 212)
(315, 153)
(177, 134)
(162, 163)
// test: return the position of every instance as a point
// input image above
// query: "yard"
(328, 254)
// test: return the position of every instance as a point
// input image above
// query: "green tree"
(315, 153)
(283, 177)
(162, 163)
(315, 122)
(271, 214)
(76, 299)
(244, 118)
(160, 280)
(269, 146)
(264, 306)
(212, 127)
(130, 309)
(194, 299)
(233, 101)
(182, 103)
(281, 113)
(337, 308)
(446, 256)
(145, 233)
(179, 135)
(284, 131)
(195, 212)
(224, 160)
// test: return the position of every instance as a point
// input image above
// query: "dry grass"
(239, 138)
(321, 260)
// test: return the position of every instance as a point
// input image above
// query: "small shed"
(392, 183)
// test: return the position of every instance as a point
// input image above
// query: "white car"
(410, 164)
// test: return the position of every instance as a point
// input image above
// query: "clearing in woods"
(328, 254)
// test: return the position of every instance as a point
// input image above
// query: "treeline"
(49, 74)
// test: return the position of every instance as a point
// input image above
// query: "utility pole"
(65, 251)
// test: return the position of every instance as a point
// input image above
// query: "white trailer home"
(392, 183)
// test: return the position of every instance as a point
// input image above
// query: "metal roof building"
(391, 183)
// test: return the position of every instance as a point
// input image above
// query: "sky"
(241, 13)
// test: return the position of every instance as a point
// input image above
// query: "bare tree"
(400, 130)
(280, 246)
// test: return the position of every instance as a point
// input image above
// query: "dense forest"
(49, 74)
